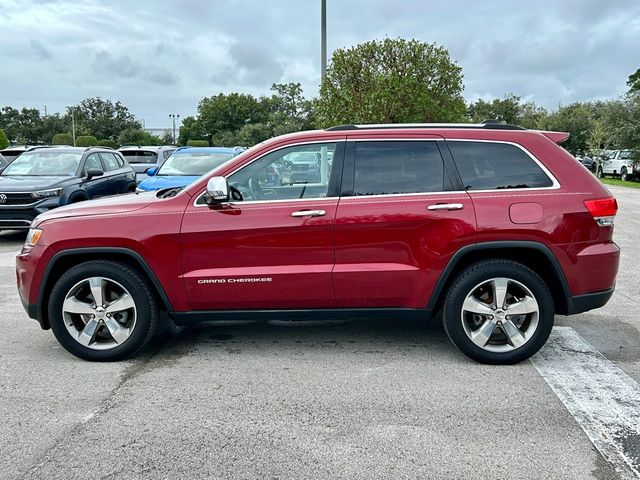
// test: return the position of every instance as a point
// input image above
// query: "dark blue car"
(44, 178)
(186, 165)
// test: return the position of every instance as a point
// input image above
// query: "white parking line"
(603, 399)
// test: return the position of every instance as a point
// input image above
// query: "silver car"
(143, 158)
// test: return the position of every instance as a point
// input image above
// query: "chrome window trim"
(555, 185)
(197, 197)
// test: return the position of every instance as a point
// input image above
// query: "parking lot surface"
(354, 399)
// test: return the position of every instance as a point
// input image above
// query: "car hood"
(161, 181)
(28, 183)
(103, 206)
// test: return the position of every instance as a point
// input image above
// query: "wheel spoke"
(88, 334)
(500, 291)
(524, 306)
(481, 336)
(474, 305)
(73, 305)
(125, 302)
(117, 331)
(515, 336)
(97, 290)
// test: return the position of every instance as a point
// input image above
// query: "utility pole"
(73, 127)
(323, 40)
(173, 117)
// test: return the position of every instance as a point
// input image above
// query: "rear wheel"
(499, 312)
(624, 175)
(102, 311)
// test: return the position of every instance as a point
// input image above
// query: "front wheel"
(102, 311)
(599, 173)
(498, 312)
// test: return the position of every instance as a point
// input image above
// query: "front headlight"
(55, 192)
(33, 237)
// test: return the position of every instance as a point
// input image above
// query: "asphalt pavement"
(352, 399)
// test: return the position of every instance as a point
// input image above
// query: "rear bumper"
(589, 301)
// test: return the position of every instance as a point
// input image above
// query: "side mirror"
(94, 172)
(152, 171)
(217, 191)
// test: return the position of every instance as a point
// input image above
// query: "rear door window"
(397, 167)
(110, 161)
(496, 166)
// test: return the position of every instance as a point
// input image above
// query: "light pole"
(73, 127)
(173, 117)
(323, 41)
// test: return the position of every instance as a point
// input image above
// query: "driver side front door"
(275, 248)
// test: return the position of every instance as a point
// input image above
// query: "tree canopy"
(391, 81)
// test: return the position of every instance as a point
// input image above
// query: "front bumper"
(19, 217)
(30, 266)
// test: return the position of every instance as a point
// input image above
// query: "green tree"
(391, 81)
(504, 110)
(288, 111)
(103, 118)
(136, 136)
(577, 119)
(634, 82)
(107, 142)
(86, 141)
(253, 134)
(221, 116)
(166, 138)
(508, 109)
(4, 141)
(62, 139)
(190, 129)
(197, 143)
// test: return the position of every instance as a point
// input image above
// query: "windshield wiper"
(171, 192)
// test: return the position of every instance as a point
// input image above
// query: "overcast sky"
(160, 57)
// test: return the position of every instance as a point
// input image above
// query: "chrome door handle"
(309, 213)
(446, 206)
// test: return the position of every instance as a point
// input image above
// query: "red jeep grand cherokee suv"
(496, 226)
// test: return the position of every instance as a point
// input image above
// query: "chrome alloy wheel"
(99, 313)
(500, 315)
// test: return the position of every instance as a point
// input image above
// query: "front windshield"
(192, 163)
(44, 163)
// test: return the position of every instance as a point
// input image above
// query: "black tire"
(485, 270)
(624, 176)
(599, 173)
(147, 312)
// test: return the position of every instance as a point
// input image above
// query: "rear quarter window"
(496, 166)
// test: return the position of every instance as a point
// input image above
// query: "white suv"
(144, 158)
(622, 163)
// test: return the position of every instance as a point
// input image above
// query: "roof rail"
(98, 146)
(486, 124)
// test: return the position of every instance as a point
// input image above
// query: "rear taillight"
(603, 210)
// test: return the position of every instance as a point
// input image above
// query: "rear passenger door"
(402, 215)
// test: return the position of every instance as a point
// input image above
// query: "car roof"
(146, 147)
(206, 149)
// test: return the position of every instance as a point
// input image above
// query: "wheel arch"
(77, 196)
(66, 259)
(537, 256)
